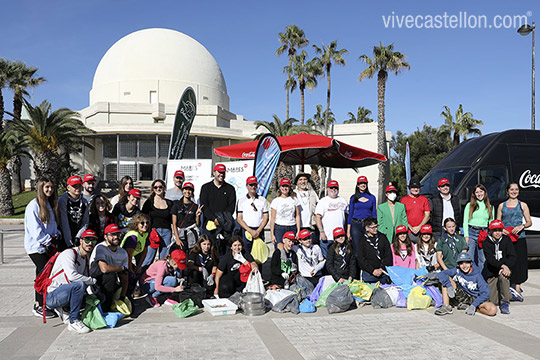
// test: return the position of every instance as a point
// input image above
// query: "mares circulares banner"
(185, 113)
(197, 172)
(266, 160)
(237, 174)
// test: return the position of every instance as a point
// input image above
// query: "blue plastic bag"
(435, 295)
(401, 300)
(112, 318)
(307, 307)
(402, 276)
(314, 296)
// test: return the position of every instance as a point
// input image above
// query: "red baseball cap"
(111, 229)
(339, 232)
(443, 181)
(304, 234)
(179, 258)
(245, 270)
(333, 183)
(74, 180)
(89, 177)
(401, 229)
(289, 235)
(89, 233)
(361, 179)
(496, 224)
(285, 182)
(251, 180)
(188, 185)
(390, 188)
(426, 229)
(154, 238)
(513, 237)
(135, 192)
(179, 173)
(220, 168)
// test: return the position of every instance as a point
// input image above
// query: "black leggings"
(230, 283)
(40, 260)
(108, 285)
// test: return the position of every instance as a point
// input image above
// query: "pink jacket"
(158, 271)
(408, 262)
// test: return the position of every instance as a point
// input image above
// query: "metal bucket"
(253, 304)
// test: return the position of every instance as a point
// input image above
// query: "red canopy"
(305, 148)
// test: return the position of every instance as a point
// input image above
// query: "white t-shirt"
(309, 259)
(448, 209)
(285, 210)
(305, 209)
(333, 214)
(112, 258)
(252, 210)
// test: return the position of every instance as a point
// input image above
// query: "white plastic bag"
(393, 292)
(255, 283)
(275, 296)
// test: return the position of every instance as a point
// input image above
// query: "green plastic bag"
(418, 299)
(361, 290)
(321, 301)
(185, 308)
(91, 315)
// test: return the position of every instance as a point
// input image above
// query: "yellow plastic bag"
(210, 225)
(361, 290)
(249, 237)
(260, 251)
(122, 307)
(418, 299)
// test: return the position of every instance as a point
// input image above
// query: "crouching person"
(465, 287)
(70, 278)
(108, 265)
(161, 277)
(283, 270)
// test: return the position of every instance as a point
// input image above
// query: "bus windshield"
(454, 175)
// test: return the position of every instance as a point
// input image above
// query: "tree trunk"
(302, 106)
(322, 183)
(14, 168)
(17, 105)
(1, 111)
(283, 171)
(6, 202)
(287, 87)
(324, 170)
(47, 164)
(315, 178)
(456, 138)
(381, 135)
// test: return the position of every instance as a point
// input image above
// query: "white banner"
(237, 174)
(198, 172)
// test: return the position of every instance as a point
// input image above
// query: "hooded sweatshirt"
(75, 267)
(473, 283)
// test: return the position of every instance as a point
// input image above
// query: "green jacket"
(384, 218)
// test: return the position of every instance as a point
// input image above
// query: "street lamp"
(525, 30)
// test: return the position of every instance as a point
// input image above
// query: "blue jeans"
(280, 230)
(150, 287)
(357, 231)
(71, 294)
(324, 246)
(369, 278)
(166, 235)
(476, 253)
(249, 244)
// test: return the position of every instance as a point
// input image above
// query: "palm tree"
(319, 118)
(464, 124)
(5, 75)
(385, 60)
(48, 135)
(361, 117)
(305, 76)
(329, 55)
(292, 39)
(10, 145)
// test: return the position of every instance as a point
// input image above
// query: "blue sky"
(487, 70)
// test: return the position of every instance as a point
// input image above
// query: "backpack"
(43, 279)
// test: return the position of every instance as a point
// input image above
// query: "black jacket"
(367, 255)
(437, 213)
(492, 265)
(334, 262)
(275, 267)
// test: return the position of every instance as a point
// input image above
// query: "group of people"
(119, 249)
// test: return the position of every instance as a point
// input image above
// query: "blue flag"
(408, 165)
(266, 161)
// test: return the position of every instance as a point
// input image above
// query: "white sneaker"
(78, 327)
(64, 316)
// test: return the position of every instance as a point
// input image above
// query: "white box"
(220, 307)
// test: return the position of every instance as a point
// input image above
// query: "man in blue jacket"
(467, 289)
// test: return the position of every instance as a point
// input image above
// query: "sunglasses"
(445, 185)
(254, 185)
(373, 226)
(178, 177)
(253, 206)
(90, 240)
(158, 187)
(143, 223)
(334, 188)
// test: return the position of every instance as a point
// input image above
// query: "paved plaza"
(364, 333)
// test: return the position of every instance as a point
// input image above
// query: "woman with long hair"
(476, 217)
(41, 234)
(284, 215)
(160, 278)
(100, 216)
(361, 205)
(126, 184)
(125, 211)
(135, 243)
(186, 219)
(341, 260)
(427, 254)
(403, 251)
(202, 264)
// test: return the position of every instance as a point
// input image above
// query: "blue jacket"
(473, 283)
(361, 210)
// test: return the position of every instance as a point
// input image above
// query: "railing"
(2, 232)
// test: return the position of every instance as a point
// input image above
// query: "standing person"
(218, 200)
(330, 214)
(284, 215)
(391, 214)
(158, 208)
(307, 201)
(41, 233)
(403, 250)
(203, 260)
(109, 266)
(450, 245)
(100, 216)
(125, 211)
(70, 276)
(89, 183)
(427, 255)
(175, 193)
(72, 211)
(135, 242)
(341, 260)
(126, 184)
(310, 258)
(186, 219)
(500, 259)
(252, 213)
(418, 210)
(374, 254)
(283, 270)
(361, 205)
(516, 214)
(444, 206)
(476, 217)
(160, 277)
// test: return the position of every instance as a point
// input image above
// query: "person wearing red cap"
(444, 206)
(125, 186)
(282, 271)
(109, 265)
(72, 211)
(403, 250)
(390, 214)
(418, 209)
(500, 259)
(89, 183)
(186, 219)
(426, 251)
(135, 242)
(341, 260)
(252, 213)
(284, 215)
(310, 258)
(100, 216)
(307, 201)
(175, 193)
(330, 214)
(125, 211)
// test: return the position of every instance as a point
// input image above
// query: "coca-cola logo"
(266, 143)
(248, 155)
(527, 180)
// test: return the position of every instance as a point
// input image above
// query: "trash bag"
(290, 303)
(435, 294)
(307, 306)
(112, 318)
(236, 299)
(92, 315)
(260, 251)
(321, 301)
(275, 296)
(339, 300)
(360, 290)
(185, 308)
(255, 283)
(401, 301)
(196, 292)
(122, 306)
(380, 299)
(418, 299)
(392, 291)
(314, 296)
(305, 283)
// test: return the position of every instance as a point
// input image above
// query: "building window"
(153, 97)
(109, 148)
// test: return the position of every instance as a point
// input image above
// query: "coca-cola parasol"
(305, 148)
